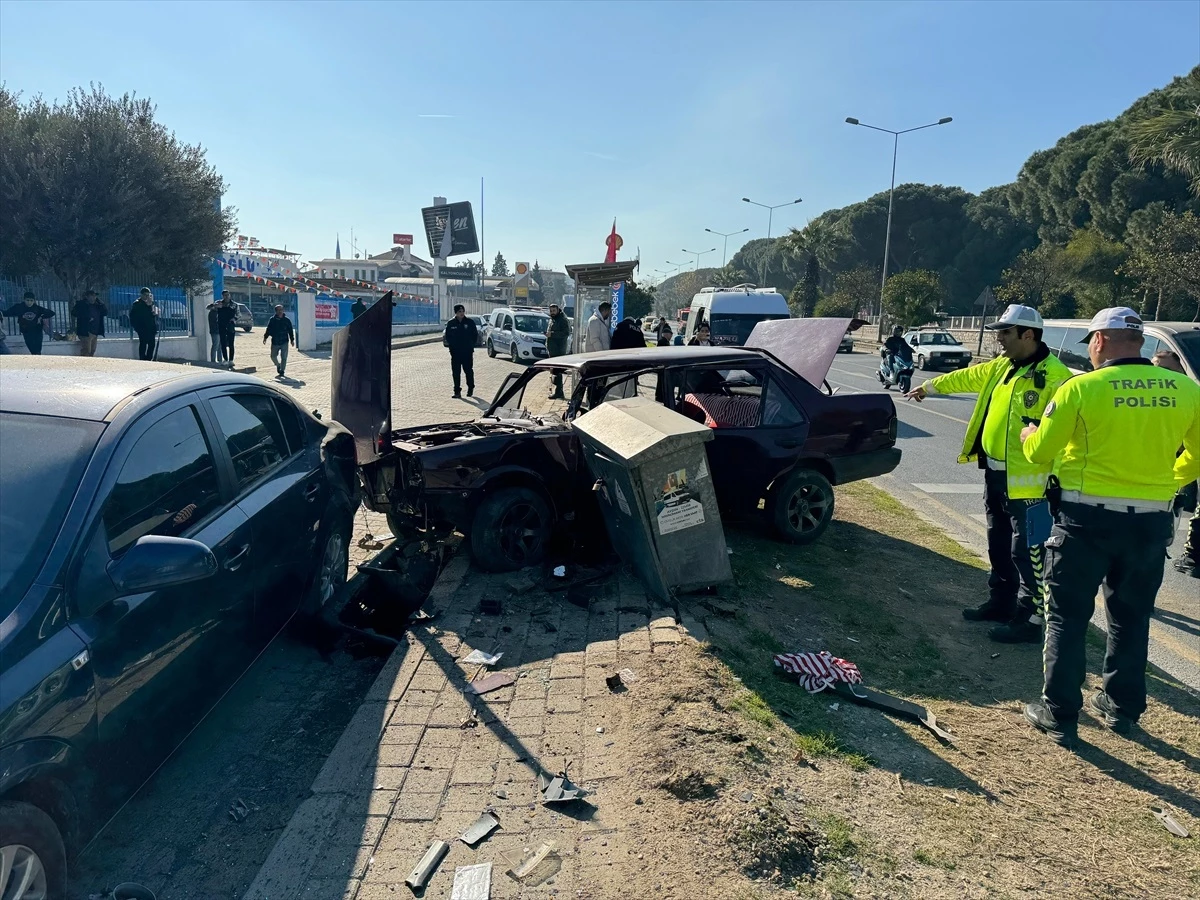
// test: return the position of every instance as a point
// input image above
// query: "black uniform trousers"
(462, 362)
(1015, 581)
(1126, 551)
(33, 340)
(146, 344)
(227, 343)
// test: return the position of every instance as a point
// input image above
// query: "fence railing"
(174, 304)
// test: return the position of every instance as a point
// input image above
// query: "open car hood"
(806, 346)
(361, 390)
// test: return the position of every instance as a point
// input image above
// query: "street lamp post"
(700, 253)
(762, 268)
(725, 249)
(887, 240)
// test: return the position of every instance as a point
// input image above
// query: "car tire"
(921, 362)
(30, 838)
(491, 349)
(802, 506)
(516, 357)
(247, 328)
(333, 561)
(511, 530)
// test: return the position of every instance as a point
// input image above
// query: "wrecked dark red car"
(515, 477)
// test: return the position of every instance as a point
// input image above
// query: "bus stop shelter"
(593, 286)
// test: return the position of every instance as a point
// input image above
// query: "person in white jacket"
(599, 336)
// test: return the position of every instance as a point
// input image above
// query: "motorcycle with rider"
(896, 363)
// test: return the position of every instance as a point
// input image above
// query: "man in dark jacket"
(461, 335)
(30, 315)
(280, 331)
(558, 336)
(663, 332)
(143, 317)
(89, 322)
(358, 308)
(227, 326)
(627, 336)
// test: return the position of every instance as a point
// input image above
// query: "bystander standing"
(460, 337)
(279, 329)
(89, 322)
(30, 316)
(143, 317)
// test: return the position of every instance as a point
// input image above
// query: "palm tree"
(1172, 139)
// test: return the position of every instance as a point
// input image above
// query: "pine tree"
(500, 266)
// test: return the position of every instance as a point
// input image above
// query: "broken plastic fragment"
(483, 826)
(479, 658)
(558, 789)
(1169, 823)
(560, 571)
(424, 869)
(542, 864)
(491, 683)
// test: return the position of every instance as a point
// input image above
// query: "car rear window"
(41, 461)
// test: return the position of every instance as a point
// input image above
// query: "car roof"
(649, 357)
(92, 387)
(1172, 327)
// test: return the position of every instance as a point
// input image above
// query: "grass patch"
(826, 744)
(841, 844)
(754, 708)
(930, 858)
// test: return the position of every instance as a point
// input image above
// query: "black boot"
(992, 611)
(1023, 629)
(1062, 733)
(1106, 711)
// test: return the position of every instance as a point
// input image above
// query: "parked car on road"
(481, 330)
(245, 318)
(936, 348)
(160, 524)
(847, 344)
(519, 333)
(515, 476)
(1063, 337)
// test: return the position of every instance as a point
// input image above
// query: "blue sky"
(664, 115)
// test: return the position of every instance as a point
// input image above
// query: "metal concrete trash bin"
(655, 493)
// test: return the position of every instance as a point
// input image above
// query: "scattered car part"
(479, 658)
(1169, 823)
(886, 702)
(472, 882)
(484, 825)
(491, 683)
(423, 871)
(542, 864)
(558, 789)
(239, 810)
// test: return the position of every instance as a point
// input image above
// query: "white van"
(1063, 337)
(731, 313)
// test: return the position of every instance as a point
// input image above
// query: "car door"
(281, 488)
(508, 336)
(759, 430)
(161, 658)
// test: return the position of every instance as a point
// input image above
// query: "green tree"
(499, 266)
(912, 298)
(1171, 137)
(837, 306)
(1168, 267)
(1035, 278)
(94, 185)
(769, 263)
(1094, 266)
(806, 294)
(639, 302)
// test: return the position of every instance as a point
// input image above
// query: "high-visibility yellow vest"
(1114, 433)
(1024, 395)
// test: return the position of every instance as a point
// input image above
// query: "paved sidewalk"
(406, 771)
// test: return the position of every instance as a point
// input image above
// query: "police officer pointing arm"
(1112, 435)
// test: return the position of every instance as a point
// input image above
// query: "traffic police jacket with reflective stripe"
(1115, 432)
(1025, 394)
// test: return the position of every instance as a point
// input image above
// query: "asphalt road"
(950, 495)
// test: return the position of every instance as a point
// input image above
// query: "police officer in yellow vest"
(1012, 389)
(1112, 435)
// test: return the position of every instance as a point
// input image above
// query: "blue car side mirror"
(155, 562)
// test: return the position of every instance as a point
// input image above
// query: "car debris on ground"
(541, 865)
(472, 882)
(423, 871)
(1168, 822)
(479, 658)
(558, 789)
(481, 828)
(491, 683)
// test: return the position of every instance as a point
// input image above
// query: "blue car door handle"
(235, 562)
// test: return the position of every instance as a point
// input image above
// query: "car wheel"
(921, 362)
(511, 530)
(802, 507)
(246, 328)
(490, 349)
(516, 357)
(33, 861)
(333, 562)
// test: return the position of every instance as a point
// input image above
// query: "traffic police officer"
(1113, 435)
(1012, 390)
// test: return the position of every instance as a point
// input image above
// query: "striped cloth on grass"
(817, 671)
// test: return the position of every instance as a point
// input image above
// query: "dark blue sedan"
(158, 526)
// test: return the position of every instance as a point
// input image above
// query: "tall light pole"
(700, 253)
(887, 240)
(762, 267)
(725, 249)
(677, 266)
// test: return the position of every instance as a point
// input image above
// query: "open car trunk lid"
(806, 346)
(361, 391)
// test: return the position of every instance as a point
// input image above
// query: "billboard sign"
(460, 220)
(402, 240)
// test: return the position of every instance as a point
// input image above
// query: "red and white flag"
(817, 671)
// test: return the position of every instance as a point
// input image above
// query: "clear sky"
(324, 117)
